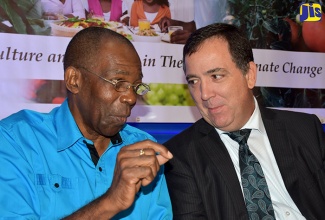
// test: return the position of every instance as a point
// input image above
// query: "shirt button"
(56, 185)
(100, 169)
(287, 213)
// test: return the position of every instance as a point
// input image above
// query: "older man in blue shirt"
(81, 161)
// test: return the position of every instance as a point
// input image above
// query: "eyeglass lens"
(139, 89)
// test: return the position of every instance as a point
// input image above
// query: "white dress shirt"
(259, 144)
(75, 7)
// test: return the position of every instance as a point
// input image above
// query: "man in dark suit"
(206, 178)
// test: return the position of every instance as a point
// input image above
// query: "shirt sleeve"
(18, 192)
(78, 9)
(161, 205)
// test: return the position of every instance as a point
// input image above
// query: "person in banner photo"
(240, 160)
(205, 12)
(108, 10)
(61, 9)
(152, 10)
(81, 160)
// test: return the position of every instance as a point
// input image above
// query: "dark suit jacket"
(203, 183)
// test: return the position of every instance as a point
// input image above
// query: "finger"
(180, 37)
(163, 26)
(161, 160)
(143, 175)
(136, 174)
(148, 144)
(160, 24)
(151, 161)
(126, 152)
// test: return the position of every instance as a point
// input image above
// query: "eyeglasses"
(122, 85)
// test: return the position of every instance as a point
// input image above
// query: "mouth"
(120, 119)
(120, 115)
(215, 109)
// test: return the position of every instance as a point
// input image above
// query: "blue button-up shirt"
(46, 171)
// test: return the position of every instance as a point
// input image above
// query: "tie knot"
(240, 136)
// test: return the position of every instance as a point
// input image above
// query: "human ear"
(72, 78)
(251, 75)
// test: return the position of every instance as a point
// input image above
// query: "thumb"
(163, 159)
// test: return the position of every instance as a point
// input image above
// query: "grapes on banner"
(169, 95)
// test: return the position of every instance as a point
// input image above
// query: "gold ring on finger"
(141, 152)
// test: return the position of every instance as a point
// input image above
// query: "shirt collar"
(66, 123)
(116, 139)
(67, 129)
(255, 121)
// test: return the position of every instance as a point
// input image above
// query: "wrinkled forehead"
(123, 61)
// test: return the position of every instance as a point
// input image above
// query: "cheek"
(195, 93)
(104, 102)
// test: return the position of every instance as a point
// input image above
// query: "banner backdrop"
(31, 74)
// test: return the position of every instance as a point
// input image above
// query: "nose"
(129, 97)
(206, 90)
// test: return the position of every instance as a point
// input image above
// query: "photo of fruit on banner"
(275, 24)
(167, 94)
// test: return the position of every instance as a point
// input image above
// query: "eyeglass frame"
(114, 82)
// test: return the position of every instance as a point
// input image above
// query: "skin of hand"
(126, 20)
(90, 14)
(164, 23)
(50, 16)
(133, 170)
(179, 36)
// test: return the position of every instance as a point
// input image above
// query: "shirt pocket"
(58, 195)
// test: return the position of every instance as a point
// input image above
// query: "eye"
(217, 76)
(192, 81)
(115, 81)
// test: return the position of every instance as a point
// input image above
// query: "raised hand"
(136, 165)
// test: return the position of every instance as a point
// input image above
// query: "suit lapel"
(283, 152)
(219, 157)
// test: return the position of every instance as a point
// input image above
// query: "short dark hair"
(84, 46)
(238, 45)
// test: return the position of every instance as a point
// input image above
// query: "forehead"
(118, 58)
(212, 53)
(213, 45)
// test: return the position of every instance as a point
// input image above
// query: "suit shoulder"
(296, 121)
(190, 134)
(287, 115)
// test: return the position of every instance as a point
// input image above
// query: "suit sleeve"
(186, 200)
(320, 174)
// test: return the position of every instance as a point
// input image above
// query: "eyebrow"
(121, 72)
(215, 70)
(117, 71)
